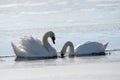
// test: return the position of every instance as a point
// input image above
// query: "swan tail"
(105, 46)
(16, 50)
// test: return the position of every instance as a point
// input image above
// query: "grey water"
(71, 20)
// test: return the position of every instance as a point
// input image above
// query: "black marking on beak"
(53, 39)
(62, 55)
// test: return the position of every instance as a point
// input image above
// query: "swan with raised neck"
(36, 48)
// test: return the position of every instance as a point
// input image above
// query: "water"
(77, 34)
(71, 20)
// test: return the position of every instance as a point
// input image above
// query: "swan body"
(32, 47)
(87, 48)
(90, 47)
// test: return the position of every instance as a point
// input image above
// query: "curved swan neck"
(70, 51)
(45, 38)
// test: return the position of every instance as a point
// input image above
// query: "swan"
(31, 47)
(88, 48)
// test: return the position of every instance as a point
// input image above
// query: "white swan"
(88, 48)
(33, 47)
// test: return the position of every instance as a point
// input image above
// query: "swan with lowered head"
(31, 47)
(88, 48)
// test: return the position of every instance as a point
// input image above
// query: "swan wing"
(33, 46)
(18, 51)
(89, 47)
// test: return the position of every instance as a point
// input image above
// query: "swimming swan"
(88, 48)
(33, 47)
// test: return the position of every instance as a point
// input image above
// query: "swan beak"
(53, 39)
(62, 56)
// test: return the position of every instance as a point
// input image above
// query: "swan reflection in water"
(33, 58)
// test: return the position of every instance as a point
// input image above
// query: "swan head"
(52, 36)
(62, 53)
(47, 35)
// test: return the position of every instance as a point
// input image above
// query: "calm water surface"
(71, 20)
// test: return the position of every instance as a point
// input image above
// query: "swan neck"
(45, 39)
(71, 49)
